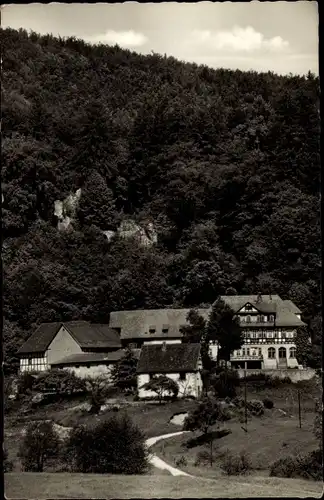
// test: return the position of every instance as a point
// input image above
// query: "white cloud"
(122, 38)
(238, 39)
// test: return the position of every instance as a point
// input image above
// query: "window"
(254, 335)
(271, 353)
(247, 335)
(282, 353)
(292, 352)
(165, 330)
(182, 376)
(30, 361)
(248, 307)
(248, 351)
(152, 330)
(243, 351)
(283, 335)
(270, 335)
(259, 319)
(260, 351)
(248, 319)
(271, 318)
(262, 319)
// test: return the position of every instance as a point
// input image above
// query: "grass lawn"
(269, 438)
(45, 485)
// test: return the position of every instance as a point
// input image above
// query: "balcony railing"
(247, 357)
(260, 324)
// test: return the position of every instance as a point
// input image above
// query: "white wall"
(93, 371)
(191, 386)
(167, 341)
(62, 345)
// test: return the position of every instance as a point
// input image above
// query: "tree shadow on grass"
(205, 438)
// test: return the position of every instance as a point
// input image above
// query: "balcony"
(257, 324)
(247, 357)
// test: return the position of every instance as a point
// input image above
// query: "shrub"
(268, 403)
(255, 407)
(308, 466)
(202, 457)
(235, 465)
(7, 464)
(181, 461)
(25, 383)
(225, 382)
(60, 381)
(40, 443)
(115, 446)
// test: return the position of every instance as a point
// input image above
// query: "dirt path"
(158, 462)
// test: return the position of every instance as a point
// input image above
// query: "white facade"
(166, 341)
(190, 384)
(92, 370)
(33, 363)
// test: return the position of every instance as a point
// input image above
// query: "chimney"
(259, 298)
(270, 296)
(163, 346)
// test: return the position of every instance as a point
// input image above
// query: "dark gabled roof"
(41, 338)
(136, 324)
(169, 358)
(94, 335)
(87, 335)
(96, 357)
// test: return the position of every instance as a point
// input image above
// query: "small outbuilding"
(179, 362)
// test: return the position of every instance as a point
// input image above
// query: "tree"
(39, 444)
(303, 346)
(97, 205)
(224, 328)
(124, 372)
(194, 332)
(114, 446)
(162, 386)
(99, 389)
(207, 413)
(224, 382)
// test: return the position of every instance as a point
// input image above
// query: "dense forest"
(224, 164)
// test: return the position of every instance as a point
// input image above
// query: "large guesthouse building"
(269, 327)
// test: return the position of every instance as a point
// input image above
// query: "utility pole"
(245, 408)
(299, 409)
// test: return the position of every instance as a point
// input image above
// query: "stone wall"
(294, 375)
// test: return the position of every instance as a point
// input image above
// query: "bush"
(235, 465)
(25, 383)
(255, 407)
(225, 382)
(7, 464)
(40, 444)
(60, 381)
(115, 446)
(268, 403)
(308, 466)
(202, 457)
(181, 461)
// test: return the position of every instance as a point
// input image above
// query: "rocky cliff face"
(65, 211)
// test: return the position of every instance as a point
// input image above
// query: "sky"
(262, 36)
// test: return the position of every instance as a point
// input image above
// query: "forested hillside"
(225, 164)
